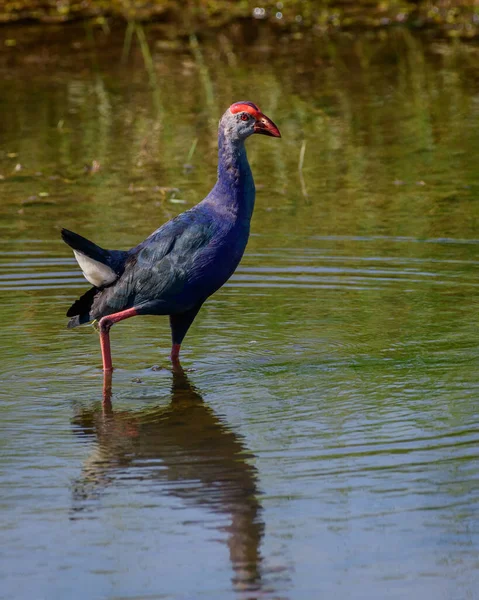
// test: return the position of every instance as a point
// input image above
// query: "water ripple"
(289, 267)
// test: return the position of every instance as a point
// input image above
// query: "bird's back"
(179, 265)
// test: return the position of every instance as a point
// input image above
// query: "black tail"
(115, 259)
(78, 242)
(80, 309)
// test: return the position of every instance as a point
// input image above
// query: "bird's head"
(242, 119)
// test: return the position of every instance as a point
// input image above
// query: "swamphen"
(184, 261)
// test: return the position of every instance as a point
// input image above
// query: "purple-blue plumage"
(187, 259)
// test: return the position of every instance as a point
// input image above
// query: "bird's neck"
(234, 190)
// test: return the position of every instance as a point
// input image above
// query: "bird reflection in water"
(201, 459)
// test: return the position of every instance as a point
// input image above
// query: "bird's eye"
(244, 117)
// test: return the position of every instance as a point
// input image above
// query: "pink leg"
(175, 354)
(105, 325)
(106, 404)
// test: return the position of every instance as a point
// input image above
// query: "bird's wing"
(158, 269)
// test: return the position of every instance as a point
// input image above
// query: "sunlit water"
(323, 439)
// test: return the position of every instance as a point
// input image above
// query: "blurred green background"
(451, 17)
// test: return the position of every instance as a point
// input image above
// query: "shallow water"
(323, 437)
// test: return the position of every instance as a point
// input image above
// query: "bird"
(187, 259)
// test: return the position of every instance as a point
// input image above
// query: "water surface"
(322, 438)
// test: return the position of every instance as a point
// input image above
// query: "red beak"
(265, 126)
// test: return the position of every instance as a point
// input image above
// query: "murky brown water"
(323, 439)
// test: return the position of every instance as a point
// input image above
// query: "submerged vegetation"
(452, 17)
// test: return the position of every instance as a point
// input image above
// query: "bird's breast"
(215, 264)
